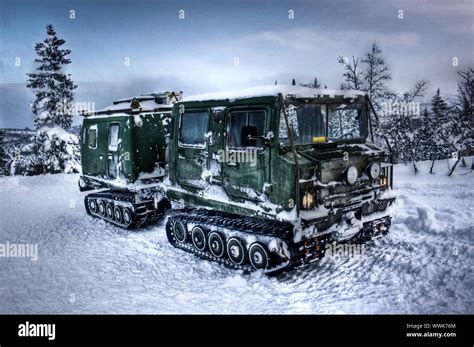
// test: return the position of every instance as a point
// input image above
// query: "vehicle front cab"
(308, 159)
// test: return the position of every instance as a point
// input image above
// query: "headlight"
(309, 200)
(351, 175)
(374, 170)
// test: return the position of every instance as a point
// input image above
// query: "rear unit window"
(113, 137)
(92, 136)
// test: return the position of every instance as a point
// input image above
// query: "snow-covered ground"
(424, 265)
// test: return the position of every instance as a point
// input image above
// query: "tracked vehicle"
(265, 178)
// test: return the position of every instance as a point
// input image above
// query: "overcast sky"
(198, 53)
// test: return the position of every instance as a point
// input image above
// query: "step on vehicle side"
(266, 178)
(123, 151)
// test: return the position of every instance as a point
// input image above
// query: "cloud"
(455, 16)
(311, 38)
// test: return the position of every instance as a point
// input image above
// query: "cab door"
(192, 153)
(247, 155)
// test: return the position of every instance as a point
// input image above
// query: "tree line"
(441, 129)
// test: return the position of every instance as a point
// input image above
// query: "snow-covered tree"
(463, 122)
(425, 135)
(3, 154)
(404, 126)
(57, 149)
(441, 147)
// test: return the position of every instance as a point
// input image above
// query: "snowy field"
(424, 265)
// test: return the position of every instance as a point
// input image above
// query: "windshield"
(311, 123)
(347, 121)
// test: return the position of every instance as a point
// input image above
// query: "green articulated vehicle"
(259, 179)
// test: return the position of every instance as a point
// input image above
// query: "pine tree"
(57, 150)
(53, 88)
(293, 83)
(315, 84)
(440, 147)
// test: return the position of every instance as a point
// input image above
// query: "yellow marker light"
(319, 139)
(309, 200)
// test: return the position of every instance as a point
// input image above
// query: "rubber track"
(246, 225)
(143, 213)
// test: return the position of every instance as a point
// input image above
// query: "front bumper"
(311, 250)
(336, 216)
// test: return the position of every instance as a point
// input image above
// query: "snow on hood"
(274, 90)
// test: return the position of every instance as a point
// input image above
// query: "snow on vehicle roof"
(94, 116)
(273, 90)
(140, 98)
(168, 95)
(145, 106)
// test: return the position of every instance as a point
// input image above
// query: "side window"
(237, 121)
(193, 128)
(92, 136)
(113, 137)
(246, 128)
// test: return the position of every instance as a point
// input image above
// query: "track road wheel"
(92, 205)
(110, 210)
(216, 244)
(179, 231)
(101, 205)
(258, 255)
(236, 250)
(199, 238)
(118, 214)
(127, 216)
